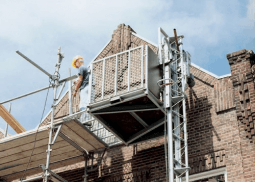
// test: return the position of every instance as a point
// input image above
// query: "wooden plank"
(24, 147)
(22, 139)
(38, 157)
(76, 138)
(36, 170)
(54, 158)
(85, 134)
(20, 153)
(11, 120)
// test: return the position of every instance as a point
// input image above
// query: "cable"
(37, 132)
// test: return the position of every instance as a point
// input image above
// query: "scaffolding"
(132, 85)
(74, 143)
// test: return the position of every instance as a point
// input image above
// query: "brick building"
(221, 133)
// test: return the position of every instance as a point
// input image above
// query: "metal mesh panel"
(109, 77)
(135, 69)
(106, 82)
(122, 77)
(99, 130)
(97, 81)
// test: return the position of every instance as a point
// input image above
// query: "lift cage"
(125, 96)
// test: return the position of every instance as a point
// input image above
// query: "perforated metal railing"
(99, 130)
(117, 74)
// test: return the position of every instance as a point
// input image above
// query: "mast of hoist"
(176, 64)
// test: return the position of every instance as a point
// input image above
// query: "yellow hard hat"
(75, 59)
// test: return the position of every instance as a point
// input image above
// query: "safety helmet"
(75, 59)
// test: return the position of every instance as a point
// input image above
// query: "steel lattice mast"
(175, 62)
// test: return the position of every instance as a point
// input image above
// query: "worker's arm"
(79, 81)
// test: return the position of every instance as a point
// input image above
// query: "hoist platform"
(125, 96)
(71, 142)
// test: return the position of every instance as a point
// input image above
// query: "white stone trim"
(208, 174)
(100, 51)
(210, 73)
(223, 76)
(144, 39)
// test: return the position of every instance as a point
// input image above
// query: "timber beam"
(11, 120)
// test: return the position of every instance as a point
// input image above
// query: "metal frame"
(111, 104)
(110, 129)
(60, 81)
(116, 72)
(146, 130)
(55, 87)
(172, 58)
(174, 83)
(103, 79)
(116, 54)
(116, 76)
(49, 172)
(140, 120)
(124, 98)
(55, 84)
(70, 95)
(129, 66)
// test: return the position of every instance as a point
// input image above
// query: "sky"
(211, 29)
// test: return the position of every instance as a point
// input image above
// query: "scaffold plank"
(22, 139)
(54, 158)
(37, 154)
(16, 150)
(76, 138)
(86, 135)
(38, 170)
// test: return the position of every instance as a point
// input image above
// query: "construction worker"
(82, 81)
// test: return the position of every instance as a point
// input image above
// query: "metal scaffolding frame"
(54, 83)
(175, 63)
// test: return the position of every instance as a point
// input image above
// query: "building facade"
(221, 133)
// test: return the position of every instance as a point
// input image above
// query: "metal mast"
(55, 78)
(175, 65)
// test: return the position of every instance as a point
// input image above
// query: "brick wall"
(243, 83)
(62, 108)
(220, 116)
(213, 133)
(213, 138)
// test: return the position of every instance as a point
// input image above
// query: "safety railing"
(117, 74)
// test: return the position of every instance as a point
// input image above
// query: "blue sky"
(212, 28)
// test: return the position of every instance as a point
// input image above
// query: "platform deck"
(15, 151)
